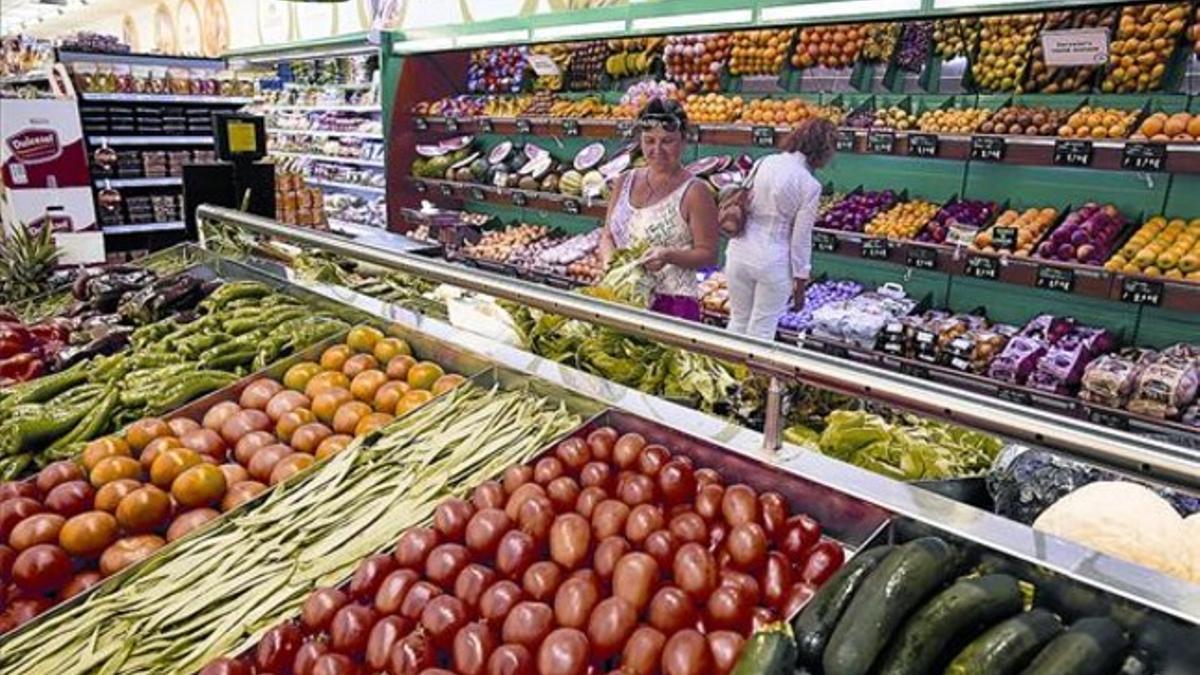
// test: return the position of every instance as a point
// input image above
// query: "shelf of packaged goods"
(349, 187)
(962, 261)
(1017, 150)
(375, 163)
(104, 97)
(168, 181)
(31, 77)
(373, 135)
(333, 85)
(545, 201)
(145, 228)
(118, 141)
(270, 107)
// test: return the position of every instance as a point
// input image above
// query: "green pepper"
(27, 432)
(45, 388)
(11, 467)
(91, 426)
(235, 290)
(196, 384)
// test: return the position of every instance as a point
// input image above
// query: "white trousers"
(759, 291)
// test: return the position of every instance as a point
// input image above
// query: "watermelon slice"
(466, 161)
(615, 166)
(589, 157)
(725, 178)
(704, 165)
(745, 163)
(533, 152)
(725, 161)
(431, 150)
(456, 143)
(500, 152)
(536, 167)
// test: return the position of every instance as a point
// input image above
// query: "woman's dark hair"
(664, 109)
(815, 138)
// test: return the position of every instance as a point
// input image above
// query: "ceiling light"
(498, 37)
(699, 20)
(431, 44)
(839, 8)
(574, 30)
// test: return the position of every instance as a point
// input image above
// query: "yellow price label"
(242, 137)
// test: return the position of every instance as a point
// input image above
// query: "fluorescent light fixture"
(498, 37)
(574, 30)
(969, 3)
(841, 8)
(723, 18)
(431, 44)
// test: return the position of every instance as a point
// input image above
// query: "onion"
(574, 601)
(350, 630)
(417, 598)
(608, 518)
(774, 509)
(634, 579)
(63, 471)
(661, 545)
(596, 474)
(542, 580)
(484, 531)
(445, 563)
(414, 546)
(370, 574)
(643, 651)
(686, 653)
(516, 552)
(510, 660)
(319, 608)
(563, 492)
(472, 582)
(285, 402)
(608, 552)
(386, 633)
(277, 649)
(217, 415)
(517, 498)
(601, 442)
(677, 482)
(242, 423)
(574, 454)
(473, 646)
(747, 545)
(488, 495)
(250, 443)
(610, 625)
(708, 501)
(570, 540)
(707, 476)
(627, 449)
(695, 570)
(652, 459)
(498, 601)
(725, 646)
(536, 517)
(547, 469)
(689, 528)
(389, 596)
(516, 476)
(739, 505)
(528, 624)
(450, 519)
(635, 488)
(442, 618)
(589, 497)
(642, 521)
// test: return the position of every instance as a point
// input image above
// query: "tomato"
(332, 445)
(445, 563)
(411, 655)
(244, 422)
(88, 534)
(154, 449)
(142, 432)
(182, 425)
(643, 651)
(15, 510)
(170, 463)
(450, 519)
(290, 465)
(194, 519)
(56, 473)
(216, 416)
(125, 552)
(259, 393)
(335, 664)
(570, 540)
(207, 442)
(542, 580)
(652, 459)
(725, 646)
(574, 602)
(240, 493)
(442, 618)
(102, 448)
(611, 624)
(285, 402)
(43, 568)
(671, 610)
(362, 339)
(298, 376)
(528, 623)
(110, 496)
(40, 528)
(264, 460)
(676, 482)
(418, 596)
(498, 600)
(695, 570)
(144, 509)
(199, 486)
(307, 656)
(799, 535)
(686, 653)
(510, 660)
(114, 468)
(350, 628)
(78, 584)
(224, 666)
(389, 595)
(414, 546)
(747, 545)
(309, 437)
(825, 559)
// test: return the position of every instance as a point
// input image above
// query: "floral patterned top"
(659, 224)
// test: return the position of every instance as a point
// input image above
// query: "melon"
(456, 143)
(593, 184)
(533, 151)
(500, 152)
(704, 166)
(615, 166)
(431, 150)
(571, 183)
(537, 167)
(465, 161)
(589, 157)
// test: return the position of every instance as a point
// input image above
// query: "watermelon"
(614, 166)
(724, 178)
(456, 143)
(725, 162)
(537, 167)
(431, 150)
(533, 152)
(704, 165)
(744, 163)
(500, 152)
(589, 157)
(465, 161)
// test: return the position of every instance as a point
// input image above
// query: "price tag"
(1014, 395)
(825, 242)
(922, 258)
(486, 126)
(914, 370)
(692, 135)
(570, 206)
(923, 145)
(845, 140)
(1072, 153)
(1004, 238)
(1144, 156)
(478, 195)
(451, 124)
(542, 65)
(763, 137)
(1108, 419)
(987, 148)
(876, 249)
(625, 128)
(570, 127)
(420, 124)
(1056, 278)
(881, 142)
(1142, 291)
(519, 198)
(1075, 47)
(447, 190)
(421, 187)
(982, 267)
(524, 126)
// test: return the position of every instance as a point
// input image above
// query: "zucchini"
(900, 584)
(947, 621)
(1092, 646)
(816, 622)
(771, 651)
(1008, 646)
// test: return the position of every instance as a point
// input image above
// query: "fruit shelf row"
(1069, 278)
(1117, 154)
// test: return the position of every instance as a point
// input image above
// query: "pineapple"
(26, 262)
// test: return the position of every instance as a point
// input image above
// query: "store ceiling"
(16, 15)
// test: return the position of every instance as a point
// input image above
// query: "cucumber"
(1008, 646)
(816, 622)
(1092, 646)
(947, 621)
(900, 584)
(771, 651)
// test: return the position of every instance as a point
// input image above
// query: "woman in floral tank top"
(663, 205)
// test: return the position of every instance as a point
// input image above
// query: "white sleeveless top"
(659, 224)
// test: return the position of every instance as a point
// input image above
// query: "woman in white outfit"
(770, 260)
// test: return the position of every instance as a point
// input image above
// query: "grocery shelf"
(138, 182)
(26, 78)
(377, 163)
(353, 187)
(374, 135)
(140, 228)
(546, 201)
(149, 140)
(99, 97)
(322, 108)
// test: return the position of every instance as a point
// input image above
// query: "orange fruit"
(200, 485)
(412, 400)
(170, 463)
(447, 382)
(109, 496)
(326, 403)
(349, 415)
(362, 339)
(398, 367)
(359, 363)
(297, 377)
(335, 357)
(101, 448)
(389, 348)
(144, 509)
(424, 374)
(333, 445)
(372, 422)
(114, 468)
(326, 380)
(156, 446)
(366, 383)
(387, 396)
(290, 422)
(143, 431)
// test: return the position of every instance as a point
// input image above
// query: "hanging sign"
(1144, 156)
(1075, 47)
(1141, 291)
(1055, 278)
(1072, 153)
(922, 257)
(881, 142)
(923, 145)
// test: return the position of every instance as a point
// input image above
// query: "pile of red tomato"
(608, 554)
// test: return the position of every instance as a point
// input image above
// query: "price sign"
(524, 126)
(519, 198)
(922, 258)
(447, 190)
(1108, 419)
(421, 187)
(881, 142)
(825, 242)
(763, 137)
(570, 127)
(625, 128)
(478, 195)
(845, 140)
(923, 145)
(542, 65)
(420, 124)
(1144, 156)
(914, 370)
(1142, 291)
(570, 206)
(1072, 153)
(876, 249)
(1014, 395)
(987, 148)
(693, 133)
(1075, 47)
(982, 267)
(486, 126)
(1056, 278)
(1004, 238)
(451, 124)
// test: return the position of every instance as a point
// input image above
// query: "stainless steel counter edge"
(1139, 584)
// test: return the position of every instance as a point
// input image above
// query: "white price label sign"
(1075, 47)
(543, 65)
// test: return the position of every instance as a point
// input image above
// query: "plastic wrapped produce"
(859, 321)
(816, 296)
(1048, 327)
(1018, 360)
(856, 210)
(974, 351)
(1110, 379)
(1166, 387)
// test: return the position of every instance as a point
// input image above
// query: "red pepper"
(21, 367)
(14, 331)
(826, 558)
(10, 346)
